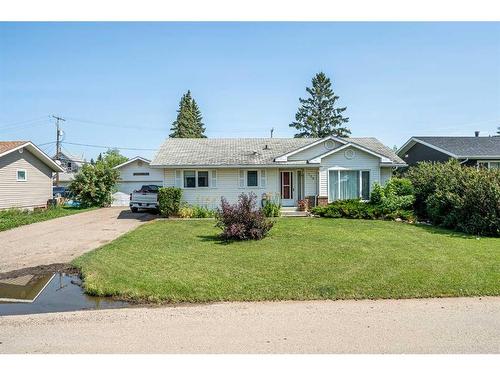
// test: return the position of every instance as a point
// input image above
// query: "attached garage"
(136, 172)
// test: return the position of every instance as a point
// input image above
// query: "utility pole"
(272, 131)
(58, 143)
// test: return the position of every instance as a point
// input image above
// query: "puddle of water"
(51, 292)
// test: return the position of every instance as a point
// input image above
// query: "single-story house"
(480, 151)
(288, 169)
(25, 175)
(136, 172)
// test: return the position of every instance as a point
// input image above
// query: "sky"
(119, 84)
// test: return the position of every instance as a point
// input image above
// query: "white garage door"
(128, 187)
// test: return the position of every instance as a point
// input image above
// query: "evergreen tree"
(199, 125)
(318, 116)
(189, 120)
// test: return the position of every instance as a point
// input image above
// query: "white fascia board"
(233, 166)
(38, 153)
(284, 157)
(132, 160)
(318, 159)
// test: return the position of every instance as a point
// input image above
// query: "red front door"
(287, 188)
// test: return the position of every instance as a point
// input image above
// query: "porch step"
(293, 211)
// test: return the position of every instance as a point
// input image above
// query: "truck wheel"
(134, 209)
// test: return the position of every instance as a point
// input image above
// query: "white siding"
(361, 161)
(310, 182)
(35, 192)
(385, 175)
(313, 151)
(127, 172)
(127, 182)
(228, 186)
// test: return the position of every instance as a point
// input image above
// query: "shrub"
(242, 221)
(93, 185)
(377, 194)
(186, 212)
(392, 201)
(458, 197)
(271, 209)
(202, 212)
(169, 200)
(400, 186)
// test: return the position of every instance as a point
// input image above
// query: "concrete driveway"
(63, 239)
(436, 325)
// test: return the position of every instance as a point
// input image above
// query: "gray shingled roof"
(466, 146)
(243, 151)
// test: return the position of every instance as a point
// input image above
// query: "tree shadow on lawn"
(215, 239)
(449, 232)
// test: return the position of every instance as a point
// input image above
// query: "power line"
(108, 147)
(162, 129)
(24, 126)
(9, 125)
(46, 143)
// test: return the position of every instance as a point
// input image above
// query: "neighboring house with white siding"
(288, 169)
(25, 175)
(136, 172)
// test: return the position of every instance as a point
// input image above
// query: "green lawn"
(15, 218)
(301, 259)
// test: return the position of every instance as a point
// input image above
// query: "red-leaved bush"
(243, 220)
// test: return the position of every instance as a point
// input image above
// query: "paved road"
(63, 239)
(448, 325)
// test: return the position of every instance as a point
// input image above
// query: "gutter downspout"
(464, 161)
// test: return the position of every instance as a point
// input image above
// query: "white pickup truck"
(146, 197)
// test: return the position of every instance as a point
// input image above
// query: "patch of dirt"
(41, 270)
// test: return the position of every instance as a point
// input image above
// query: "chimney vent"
(476, 133)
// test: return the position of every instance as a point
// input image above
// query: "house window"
(22, 175)
(365, 185)
(348, 184)
(193, 179)
(252, 178)
(189, 179)
(202, 178)
(140, 173)
(489, 164)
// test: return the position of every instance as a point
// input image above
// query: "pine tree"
(189, 120)
(199, 125)
(318, 115)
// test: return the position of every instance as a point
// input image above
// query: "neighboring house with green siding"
(25, 175)
(288, 169)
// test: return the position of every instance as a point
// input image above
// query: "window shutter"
(263, 179)
(214, 178)
(178, 179)
(242, 178)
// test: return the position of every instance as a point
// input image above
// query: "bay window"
(348, 184)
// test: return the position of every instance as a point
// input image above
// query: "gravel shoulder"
(63, 239)
(446, 325)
